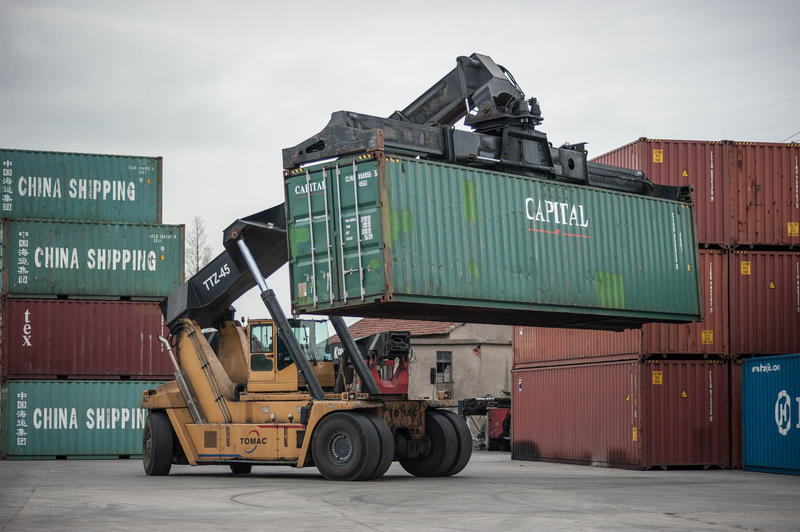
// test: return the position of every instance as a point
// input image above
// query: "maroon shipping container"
(532, 345)
(685, 162)
(627, 414)
(766, 177)
(747, 193)
(735, 371)
(51, 338)
(764, 302)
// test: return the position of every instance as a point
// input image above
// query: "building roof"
(368, 326)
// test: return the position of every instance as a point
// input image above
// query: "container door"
(359, 233)
(311, 245)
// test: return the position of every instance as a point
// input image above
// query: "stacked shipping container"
(85, 260)
(747, 211)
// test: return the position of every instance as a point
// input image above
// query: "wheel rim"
(340, 448)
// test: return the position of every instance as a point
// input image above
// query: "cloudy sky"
(219, 88)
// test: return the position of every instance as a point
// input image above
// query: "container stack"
(671, 395)
(85, 261)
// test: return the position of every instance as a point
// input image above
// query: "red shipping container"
(628, 414)
(766, 206)
(697, 163)
(532, 345)
(52, 338)
(764, 302)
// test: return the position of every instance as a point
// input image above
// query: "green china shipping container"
(77, 259)
(81, 186)
(407, 238)
(74, 419)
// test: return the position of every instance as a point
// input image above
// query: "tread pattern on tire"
(387, 447)
(444, 447)
(363, 438)
(159, 429)
(464, 437)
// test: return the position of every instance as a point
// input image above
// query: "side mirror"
(433, 375)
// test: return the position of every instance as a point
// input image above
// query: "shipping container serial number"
(215, 278)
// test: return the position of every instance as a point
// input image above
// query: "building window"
(444, 366)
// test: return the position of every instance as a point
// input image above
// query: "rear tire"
(464, 437)
(241, 469)
(157, 444)
(387, 447)
(345, 446)
(444, 447)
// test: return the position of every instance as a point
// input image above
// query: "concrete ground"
(492, 493)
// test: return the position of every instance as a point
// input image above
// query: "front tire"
(345, 446)
(157, 444)
(444, 447)
(464, 437)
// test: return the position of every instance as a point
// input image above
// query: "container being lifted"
(407, 216)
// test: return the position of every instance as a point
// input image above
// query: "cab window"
(261, 338)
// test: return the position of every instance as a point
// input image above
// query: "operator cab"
(270, 365)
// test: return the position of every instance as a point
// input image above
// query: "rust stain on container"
(617, 414)
(765, 320)
(48, 338)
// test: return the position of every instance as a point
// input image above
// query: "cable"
(790, 136)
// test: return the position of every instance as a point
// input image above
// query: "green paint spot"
(610, 289)
(374, 264)
(470, 201)
(473, 270)
(298, 235)
(407, 221)
(394, 224)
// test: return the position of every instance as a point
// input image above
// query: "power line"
(790, 136)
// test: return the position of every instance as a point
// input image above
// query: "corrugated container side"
(81, 186)
(685, 162)
(708, 337)
(735, 367)
(76, 419)
(630, 414)
(685, 413)
(764, 302)
(767, 202)
(45, 258)
(770, 417)
(531, 345)
(439, 241)
(47, 338)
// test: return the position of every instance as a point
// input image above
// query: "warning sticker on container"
(745, 267)
(772, 285)
(793, 228)
(519, 384)
(685, 173)
(707, 337)
(658, 155)
(635, 434)
(684, 394)
(658, 378)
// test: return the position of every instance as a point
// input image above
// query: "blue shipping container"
(771, 414)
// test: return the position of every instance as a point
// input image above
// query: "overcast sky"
(219, 88)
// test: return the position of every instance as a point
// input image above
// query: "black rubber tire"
(387, 447)
(345, 446)
(464, 437)
(444, 446)
(241, 469)
(157, 444)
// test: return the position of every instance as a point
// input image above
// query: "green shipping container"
(405, 238)
(90, 259)
(76, 419)
(81, 186)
